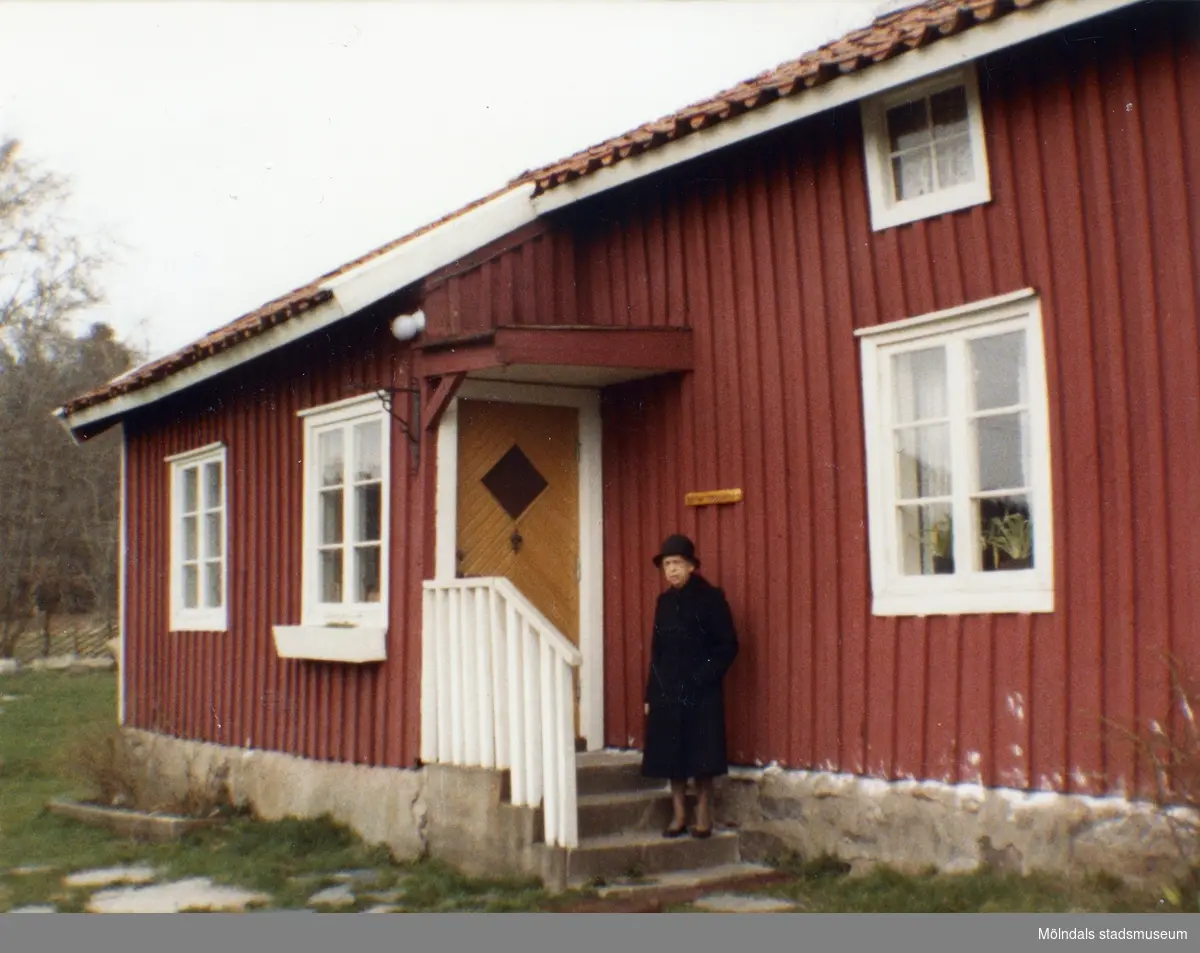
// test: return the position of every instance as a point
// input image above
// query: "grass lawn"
(41, 713)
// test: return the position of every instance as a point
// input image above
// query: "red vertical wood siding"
(770, 258)
(765, 250)
(231, 687)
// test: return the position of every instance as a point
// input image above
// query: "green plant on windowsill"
(938, 540)
(1010, 535)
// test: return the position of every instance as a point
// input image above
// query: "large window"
(199, 576)
(345, 513)
(925, 151)
(959, 461)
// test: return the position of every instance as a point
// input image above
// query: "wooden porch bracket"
(446, 389)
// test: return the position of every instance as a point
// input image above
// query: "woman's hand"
(646, 707)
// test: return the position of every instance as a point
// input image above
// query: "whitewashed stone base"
(915, 825)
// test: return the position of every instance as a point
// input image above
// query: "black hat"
(678, 545)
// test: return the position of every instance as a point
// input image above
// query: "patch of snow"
(107, 876)
(339, 896)
(365, 876)
(733, 903)
(384, 908)
(197, 894)
(34, 910)
(973, 758)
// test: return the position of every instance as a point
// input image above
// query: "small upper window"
(925, 153)
(198, 541)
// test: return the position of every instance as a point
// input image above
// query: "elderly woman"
(693, 645)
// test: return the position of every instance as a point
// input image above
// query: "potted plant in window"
(939, 540)
(1010, 538)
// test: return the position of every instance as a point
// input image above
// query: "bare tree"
(58, 504)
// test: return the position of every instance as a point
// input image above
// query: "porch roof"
(584, 356)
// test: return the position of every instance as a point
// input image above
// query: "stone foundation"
(915, 825)
(382, 805)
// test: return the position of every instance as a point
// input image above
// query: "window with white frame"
(346, 513)
(958, 458)
(925, 150)
(199, 530)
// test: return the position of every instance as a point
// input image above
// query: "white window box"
(199, 583)
(327, 643)
(958, 461)
(925, 152)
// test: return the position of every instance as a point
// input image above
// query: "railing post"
(483, 673)
(499, 662)
(445, 728)
(456, 677)
(515, 637)
(429, 696)
(550, 748)
(471, 699)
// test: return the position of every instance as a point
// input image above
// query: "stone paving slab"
(108, 876)
(734, 903)
(198, 893)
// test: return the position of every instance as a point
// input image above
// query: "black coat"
(693, 645)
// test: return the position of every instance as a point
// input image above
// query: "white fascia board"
(946, 53)
(356, 289)
(437, 248)
(319, 317)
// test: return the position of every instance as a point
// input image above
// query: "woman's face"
(677, 570)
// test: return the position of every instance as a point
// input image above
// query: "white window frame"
(886, 211)
(343, 414)
(201, 618)
(966, 591)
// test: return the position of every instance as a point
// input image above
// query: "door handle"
(515, 540)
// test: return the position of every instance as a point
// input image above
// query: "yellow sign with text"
(713, 497)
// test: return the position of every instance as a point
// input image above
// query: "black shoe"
(675, 832)
(701, 833)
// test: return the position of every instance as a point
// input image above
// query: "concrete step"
(682, 885)
(603, 815)
(647, 853)
(613, 777)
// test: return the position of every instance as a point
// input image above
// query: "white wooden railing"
(498, 691)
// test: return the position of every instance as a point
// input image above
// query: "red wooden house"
(925, 298)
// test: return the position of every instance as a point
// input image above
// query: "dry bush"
(1172, 752)
(102, 761)
(99, 759)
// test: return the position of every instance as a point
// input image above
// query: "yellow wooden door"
(518, 503)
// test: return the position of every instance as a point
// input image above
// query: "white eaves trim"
(352, 291)
(947, 53)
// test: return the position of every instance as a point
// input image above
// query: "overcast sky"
(239, 150)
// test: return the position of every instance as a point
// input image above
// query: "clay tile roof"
(889, 35)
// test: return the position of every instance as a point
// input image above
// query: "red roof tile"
(888, 36)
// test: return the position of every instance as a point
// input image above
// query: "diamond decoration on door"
(515, 482)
